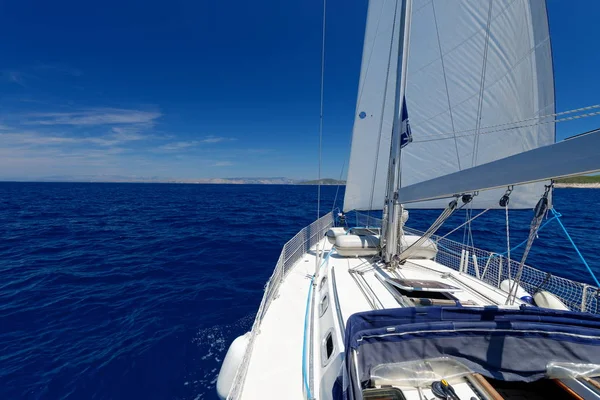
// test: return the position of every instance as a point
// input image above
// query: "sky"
(205, 89)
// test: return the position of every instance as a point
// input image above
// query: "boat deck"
(275, 369)
(276, 363)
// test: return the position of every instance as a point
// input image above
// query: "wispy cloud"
(13, 76)
(181, 145)
(128, 134)
(98, 116)
(13, 137)
(223, 164)
(216, 139)
(38, 72)
(173, 146)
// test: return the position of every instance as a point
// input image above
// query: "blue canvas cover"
(506, 344)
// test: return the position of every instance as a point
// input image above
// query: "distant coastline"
(579, 182)
(209, 181)
(577, 185)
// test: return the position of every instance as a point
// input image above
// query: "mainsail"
(479, 88)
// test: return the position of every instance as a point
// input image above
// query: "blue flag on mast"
(406, 135)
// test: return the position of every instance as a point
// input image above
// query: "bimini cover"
(506, 344)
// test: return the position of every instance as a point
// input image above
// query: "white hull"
(305, 312)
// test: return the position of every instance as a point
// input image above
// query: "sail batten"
(473, 64)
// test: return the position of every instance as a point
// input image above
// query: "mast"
(393, 209)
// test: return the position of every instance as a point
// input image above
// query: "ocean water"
(134, 291)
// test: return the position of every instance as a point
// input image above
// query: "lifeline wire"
(541, 209)
(575, 247)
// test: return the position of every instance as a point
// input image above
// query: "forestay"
(473, 65)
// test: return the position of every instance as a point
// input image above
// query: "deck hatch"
(421, 285)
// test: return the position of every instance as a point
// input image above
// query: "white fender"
(548, 300)
(368, 245)
(522, 294)
(335, 232)
(230, 365)
(357, 246)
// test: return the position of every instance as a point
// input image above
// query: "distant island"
(585, 181)
(326, 181)
(154, 179)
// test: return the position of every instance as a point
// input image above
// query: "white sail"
(474, 68)
(370, 153)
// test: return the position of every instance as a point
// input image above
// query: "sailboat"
(455, 111)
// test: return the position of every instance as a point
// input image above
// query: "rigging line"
(470, 230)
(540, 212)
(464, 239)
(446, 83)
(382, 112)
(339, 184)
(448, 211)
(461, 225)
(514, 127)
(459, 44)
(508, 240)
(503, 253)
(468, 234)
(321, 110)
(538, 117)
(481, 86)
(556, 214)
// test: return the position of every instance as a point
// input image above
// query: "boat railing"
(292, 251)
(494, 268)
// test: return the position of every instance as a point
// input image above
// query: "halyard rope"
(541, 209)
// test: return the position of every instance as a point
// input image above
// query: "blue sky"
(198, 89)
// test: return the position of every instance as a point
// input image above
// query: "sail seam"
(422, 7)
(490, 85)
(477, 32)
(515, 127)
(437, 31)
(522, 120)
(482, 86)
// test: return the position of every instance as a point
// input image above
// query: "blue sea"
(134, 291)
